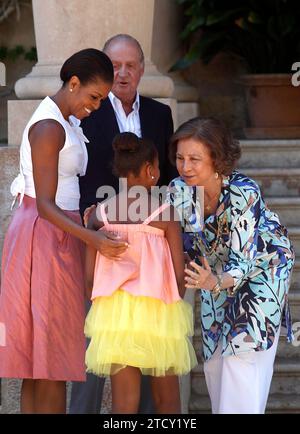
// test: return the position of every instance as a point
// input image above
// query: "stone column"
(62, 28)
(166, 50)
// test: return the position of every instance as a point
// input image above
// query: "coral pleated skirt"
(139, 331)
(42, 299)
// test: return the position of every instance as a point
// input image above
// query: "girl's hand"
(108, 245)
(86, 215)
(202, 277)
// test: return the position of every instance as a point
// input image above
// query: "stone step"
(294, 299)
(277, 403)
(295, 283)
(281, 403)
(270, 153)
(10, 395)
(288, 210)
(286, 378)
(294, 234)
(199, 404)
(277, 182)
(290, 350)
(11, 392)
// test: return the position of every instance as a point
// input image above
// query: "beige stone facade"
(62, 28)
(14, 32)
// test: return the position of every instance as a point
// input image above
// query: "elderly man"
(123, 110)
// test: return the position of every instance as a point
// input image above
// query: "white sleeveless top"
(72, 161)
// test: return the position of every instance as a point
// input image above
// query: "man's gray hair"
(124, 37)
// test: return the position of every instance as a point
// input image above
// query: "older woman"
(242, 263)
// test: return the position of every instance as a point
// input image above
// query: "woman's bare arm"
(47, 138)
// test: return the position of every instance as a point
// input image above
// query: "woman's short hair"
(88, 65)
(224, 150)
(131, 152)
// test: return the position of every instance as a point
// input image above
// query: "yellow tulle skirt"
(143, 332)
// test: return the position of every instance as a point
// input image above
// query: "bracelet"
(218, 286)
(231, 292)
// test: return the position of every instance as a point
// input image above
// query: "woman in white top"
(42, 285)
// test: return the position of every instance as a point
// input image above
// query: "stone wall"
(9, 161)
(15, 32)
(219, 91)
(217, 86)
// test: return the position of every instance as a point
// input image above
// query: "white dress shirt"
(130, 123)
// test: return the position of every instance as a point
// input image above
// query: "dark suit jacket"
(101, 127)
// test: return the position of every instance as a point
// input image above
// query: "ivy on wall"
(7, 8)
(17, 52)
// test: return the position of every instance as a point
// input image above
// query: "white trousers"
(240, 384)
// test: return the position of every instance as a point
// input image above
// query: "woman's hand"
(86, 215)
(187, 259)
(202, 277)
(108, 244)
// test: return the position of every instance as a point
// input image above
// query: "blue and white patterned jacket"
(245, 239)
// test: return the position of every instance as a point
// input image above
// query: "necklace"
(208, 206)
(222, 229)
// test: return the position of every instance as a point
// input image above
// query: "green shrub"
(263, 34)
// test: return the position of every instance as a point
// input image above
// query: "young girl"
(138, 322)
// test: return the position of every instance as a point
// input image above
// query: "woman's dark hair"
(88, 65)
(131, 152)
(224, 150)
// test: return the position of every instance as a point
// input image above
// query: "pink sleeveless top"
(146, 268)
